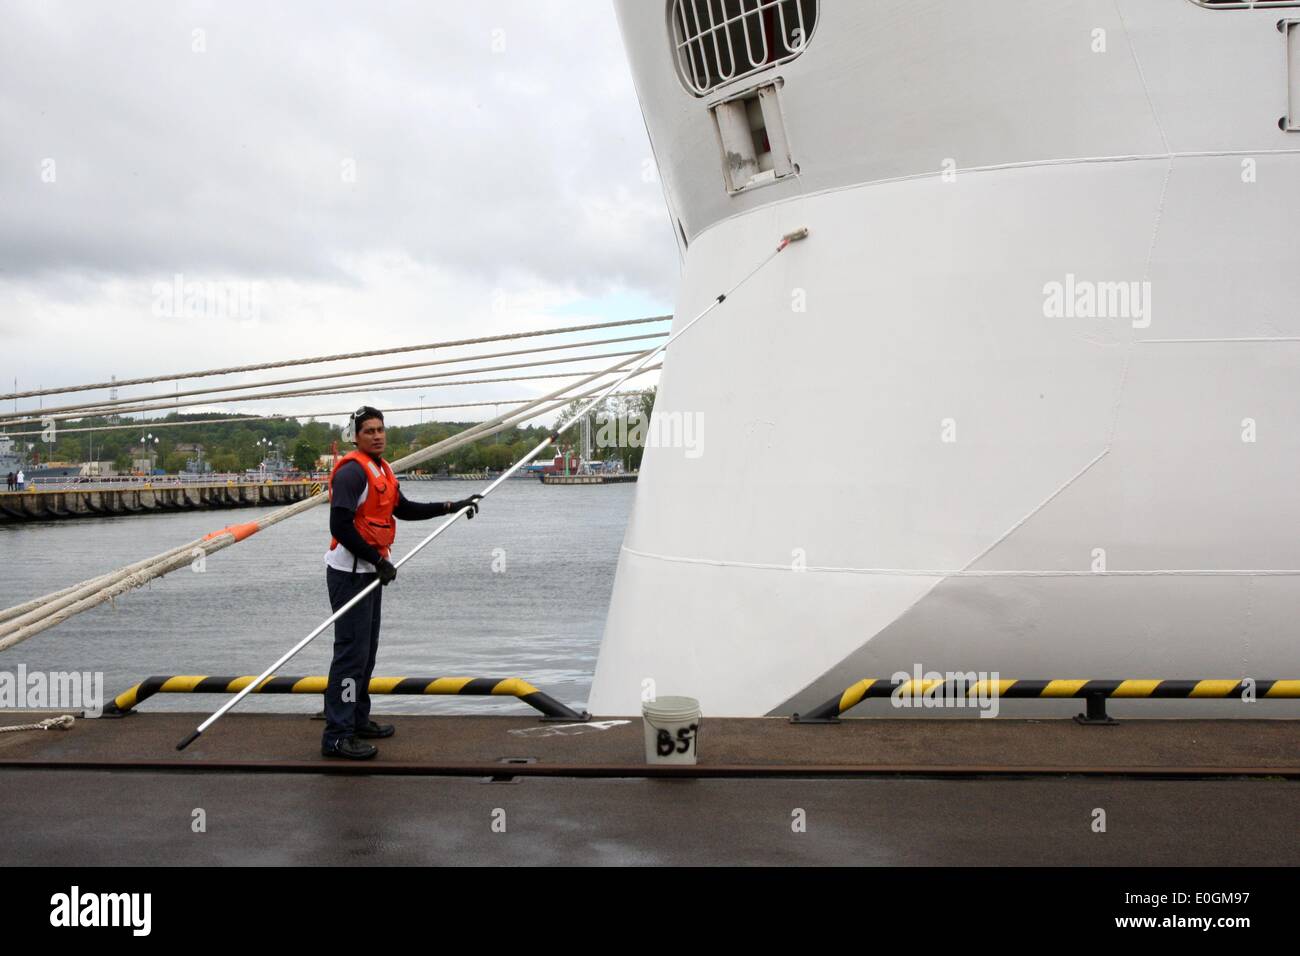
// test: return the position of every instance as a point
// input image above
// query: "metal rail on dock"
(1094, 692)
(550, 708)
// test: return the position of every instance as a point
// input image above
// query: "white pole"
(541, 446)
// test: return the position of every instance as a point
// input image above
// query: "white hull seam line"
(952, 573)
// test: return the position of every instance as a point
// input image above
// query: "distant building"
(557, 466)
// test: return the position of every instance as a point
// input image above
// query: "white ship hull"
(928, 466)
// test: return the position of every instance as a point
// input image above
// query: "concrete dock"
(95, 500)
(515, 790)
(594, 479)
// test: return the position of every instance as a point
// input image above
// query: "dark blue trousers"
(356, 640)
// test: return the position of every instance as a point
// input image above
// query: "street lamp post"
(269, 452)
(149, 444)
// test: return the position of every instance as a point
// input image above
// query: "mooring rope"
(75, 599)
(162, 423)
(329, 358)
(170, 399)
(334, 389)
(54, 609)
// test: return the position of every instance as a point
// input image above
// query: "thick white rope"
(328, 358)
(483, 429)
(219, 389)
(72, 601)
(334, 388)
(156, 423)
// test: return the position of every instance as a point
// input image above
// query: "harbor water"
(520, 591)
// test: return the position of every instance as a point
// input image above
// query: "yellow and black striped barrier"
(1094, 692)
(550, 708)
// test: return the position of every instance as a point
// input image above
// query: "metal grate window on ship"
(717, 41)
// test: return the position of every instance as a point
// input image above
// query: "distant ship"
(1043, 334)
(11, 459)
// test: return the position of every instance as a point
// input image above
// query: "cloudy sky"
(348, 176)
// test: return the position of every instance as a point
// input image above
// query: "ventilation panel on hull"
(751, 131)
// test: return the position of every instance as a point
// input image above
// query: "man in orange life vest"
(364, 500)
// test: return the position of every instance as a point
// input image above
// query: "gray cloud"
(498, 151)
(521, 161)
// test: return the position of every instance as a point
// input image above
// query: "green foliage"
(224, 461)
(305, 455)
(174, 461)
(232, 446)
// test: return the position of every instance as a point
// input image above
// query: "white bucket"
(671, 729)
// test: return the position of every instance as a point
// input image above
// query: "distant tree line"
(233, 446)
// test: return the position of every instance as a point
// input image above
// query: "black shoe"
(349, 747)
(373, 731)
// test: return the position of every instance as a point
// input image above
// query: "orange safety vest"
(374, 518)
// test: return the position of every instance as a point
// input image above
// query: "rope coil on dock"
(62, 722)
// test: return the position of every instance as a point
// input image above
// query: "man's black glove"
(386, 571)
(471, 503)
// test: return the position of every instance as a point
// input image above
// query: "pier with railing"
(61, 498)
